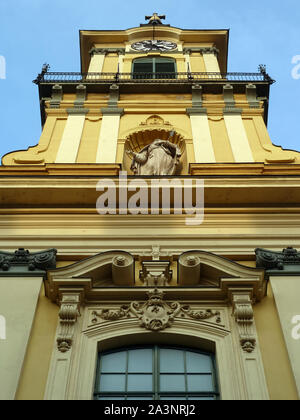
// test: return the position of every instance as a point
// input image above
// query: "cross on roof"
(155, 19)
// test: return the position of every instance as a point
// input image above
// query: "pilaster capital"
(104, 51)
(22, 261)
(201, 50)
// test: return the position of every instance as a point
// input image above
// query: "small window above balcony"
(154, 68)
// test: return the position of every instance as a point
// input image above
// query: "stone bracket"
(112, 104)
(251, 94)
(243, 314)
(80, 96)
(68, 314)
(57, 96)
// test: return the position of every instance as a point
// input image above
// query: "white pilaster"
(70, 142)
(238, 138)
(202, 140)
(286, 293)
(108, 139)
(96, 63)
(18, 302)
(211, 63)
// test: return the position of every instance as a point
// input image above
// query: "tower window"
(156, 373)
(154, 68)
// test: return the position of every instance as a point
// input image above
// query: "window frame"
(156, 393)
(154, 60)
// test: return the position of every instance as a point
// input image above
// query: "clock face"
(153, 45)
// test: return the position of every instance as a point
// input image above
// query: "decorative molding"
(112, 111)
(44, 260)
(155, 314)
(244, 317)
(156, 273)
(201, 315)
(104, 51)
(155, 120)
(78, 111)
(202, 50)
(68, 314)
(271, 260)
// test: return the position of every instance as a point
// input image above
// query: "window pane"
(140, 360)
(108, 398)
(166, 67)
(171, 361)
(178, 398)
(140, 398)
(200, 383)
(198, 363)
(140, 383)
(112, 383)
(171, 383)
(114, 362)
(202, 398)
(143, 67)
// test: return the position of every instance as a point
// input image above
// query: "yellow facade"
(251, 198)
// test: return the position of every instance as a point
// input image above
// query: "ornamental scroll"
(155, 314)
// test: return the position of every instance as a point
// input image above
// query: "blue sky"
(36, 31)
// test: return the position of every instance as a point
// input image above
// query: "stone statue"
(158, 158)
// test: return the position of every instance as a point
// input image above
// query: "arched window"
(156, 373)
(154, 68)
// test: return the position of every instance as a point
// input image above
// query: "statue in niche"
(161, 157)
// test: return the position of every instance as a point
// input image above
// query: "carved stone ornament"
(243, 313)
(34, 261)
(155, 314)
(156, 273)
(271, 260)
(68, 314)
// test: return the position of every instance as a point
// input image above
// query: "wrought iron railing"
(53, 77)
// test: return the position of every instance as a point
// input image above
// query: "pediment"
(108, 269)
(200, 267)
(201, 275)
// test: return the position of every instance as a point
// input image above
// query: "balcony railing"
(102, 78)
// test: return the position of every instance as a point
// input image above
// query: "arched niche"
(155, 127)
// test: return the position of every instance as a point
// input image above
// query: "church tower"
(149, 240)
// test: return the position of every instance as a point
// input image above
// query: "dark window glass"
(154, 68)
(156, 373)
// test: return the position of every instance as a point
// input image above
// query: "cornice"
(70, 190)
